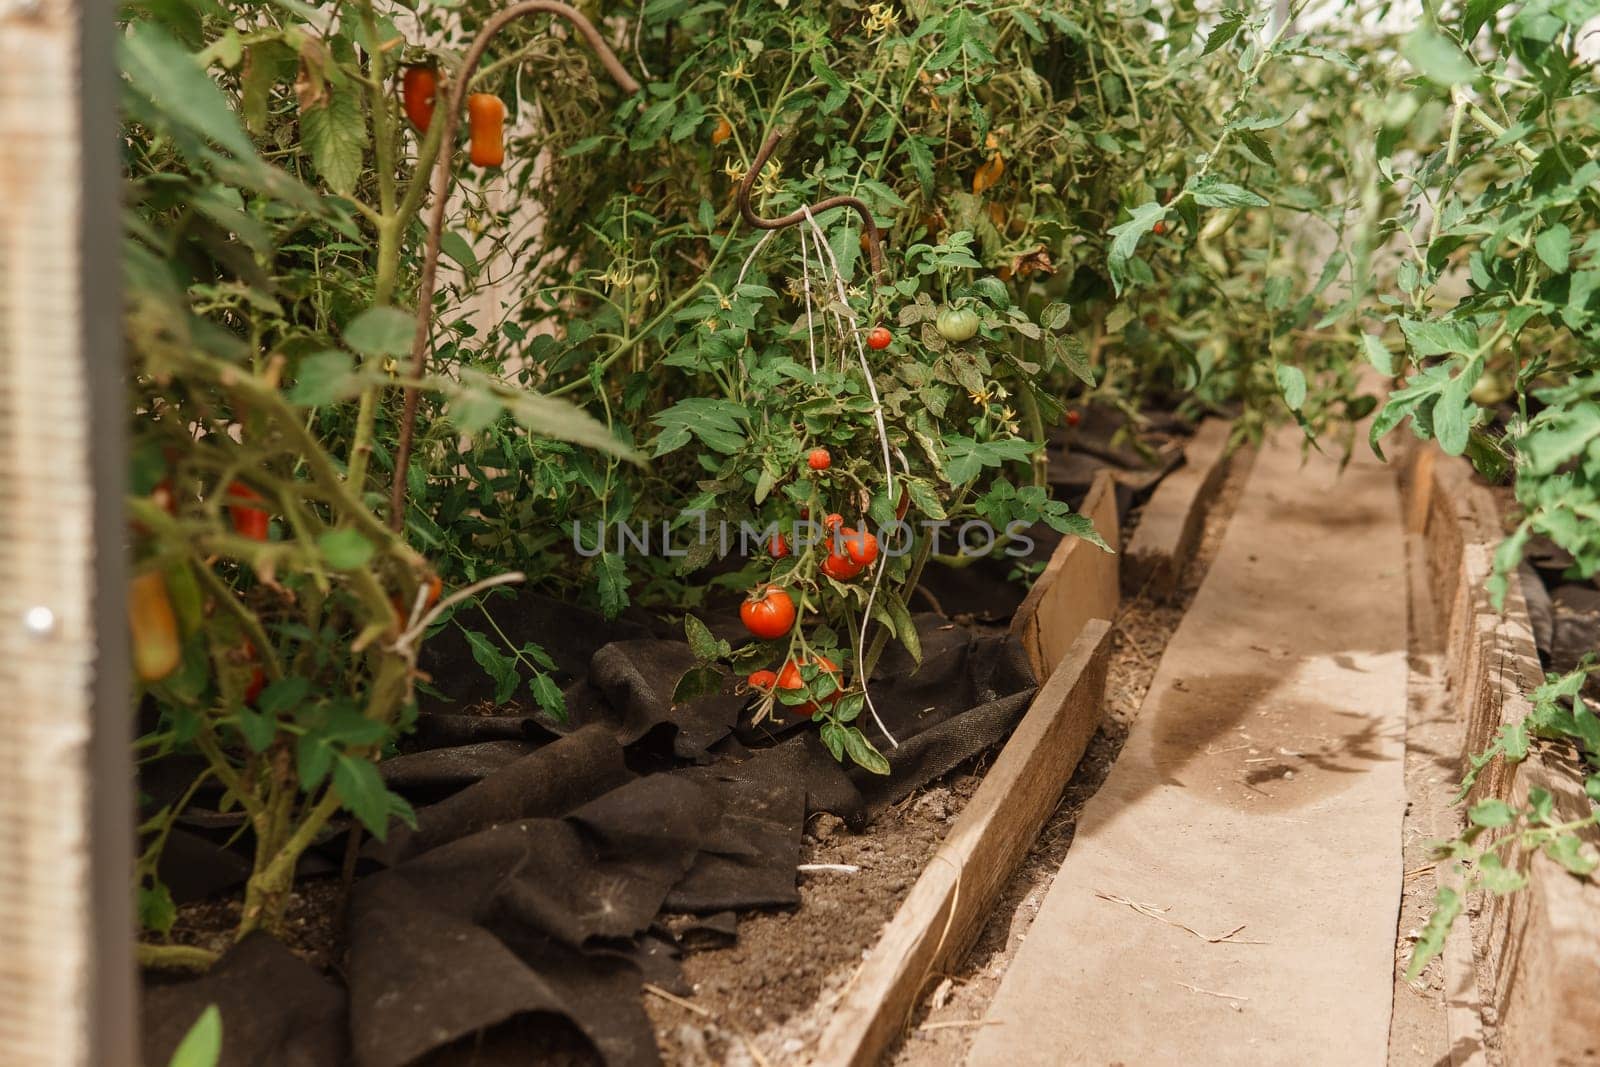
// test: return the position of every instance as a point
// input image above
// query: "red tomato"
(840, 568)
(777, 548)
(832, 521)
(819, 460)
(768, 613)
(878, 338)
(418, 86)
(860, 546)
(258, 677)
(248, 521)
(1074, 417)
(763, 680)
(789, 678)
(1161, 227)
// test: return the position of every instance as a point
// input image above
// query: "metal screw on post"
(39, 621)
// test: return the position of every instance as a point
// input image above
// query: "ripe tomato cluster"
(771, 612)
(791, 679)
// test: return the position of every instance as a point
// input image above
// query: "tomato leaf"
(1568, 851)
(697, 682)
(1292, 384)
(1126, 237)
(202, 1045)
(362, 791)
(1377, 354)
(335, 132)
(501, 667)
(833, 739)
(324, 378)
(862, 753)
(257, 729)
(705, 646)
(1438, 58)
(1446, 907)
(381, 331)
(1491, 814)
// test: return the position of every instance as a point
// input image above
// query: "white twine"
(888, 469)
(805, 282)
(405, 644)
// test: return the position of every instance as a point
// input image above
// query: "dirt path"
(1235, 884)
(943, 1027)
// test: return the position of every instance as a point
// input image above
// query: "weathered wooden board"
(1079, 583)
(950, 902)
(1537, 947)
(1174, 518)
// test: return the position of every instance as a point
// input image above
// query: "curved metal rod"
(794, 218)
(442, 167)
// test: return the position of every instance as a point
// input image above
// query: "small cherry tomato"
(419, 84)
(832, 521)
(763, 680)
(878, 338)
(861, 546)
(1161, 227)
(723, 131)
(840, 568)
(778, 547)
(957, 324)
(248, 520)
(819, 460)
(768, 613)
(1074, 417)
(789, 678)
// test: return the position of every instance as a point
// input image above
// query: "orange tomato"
(154, 627)
(486, 118)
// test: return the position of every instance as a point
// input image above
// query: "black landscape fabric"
(530, 895)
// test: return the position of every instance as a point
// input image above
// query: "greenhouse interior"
(718, 532)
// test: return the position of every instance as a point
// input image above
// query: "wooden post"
(66, 776)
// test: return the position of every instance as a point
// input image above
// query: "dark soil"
(777, 985)
(311, 930)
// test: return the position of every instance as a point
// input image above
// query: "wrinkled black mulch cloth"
(532, 886)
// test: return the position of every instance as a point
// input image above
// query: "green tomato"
(1491, 388)
(957, 324)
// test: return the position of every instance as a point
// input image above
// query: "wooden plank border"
(1536, 948)
(1078, 584)
(949, 903)
(1174, 518)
